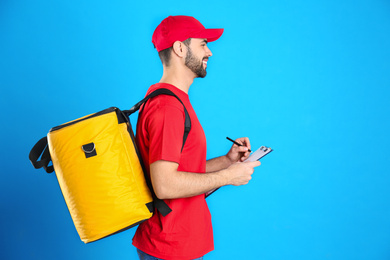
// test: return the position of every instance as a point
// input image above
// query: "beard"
(194, 64)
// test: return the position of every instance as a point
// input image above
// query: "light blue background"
(308, 78)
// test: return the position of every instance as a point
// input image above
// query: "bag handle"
(41, 150)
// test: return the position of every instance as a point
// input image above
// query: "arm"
(168, 183)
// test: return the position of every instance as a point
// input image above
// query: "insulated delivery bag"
(100, 172)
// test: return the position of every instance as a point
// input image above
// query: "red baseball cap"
(180, 28)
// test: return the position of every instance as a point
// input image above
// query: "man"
(182, 176)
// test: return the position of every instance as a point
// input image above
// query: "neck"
(181, 78)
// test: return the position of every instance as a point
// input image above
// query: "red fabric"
(180, 28)
(186, 232)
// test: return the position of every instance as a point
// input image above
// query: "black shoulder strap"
(160, 204)
(164, 91)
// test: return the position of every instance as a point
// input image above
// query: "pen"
(237, 143)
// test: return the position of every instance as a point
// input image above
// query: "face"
(197, 56)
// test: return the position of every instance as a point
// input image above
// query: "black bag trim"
(103, 112)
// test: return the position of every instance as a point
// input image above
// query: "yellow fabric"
(104, 193)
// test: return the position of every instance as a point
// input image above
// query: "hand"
(241, 173)
(239, 153)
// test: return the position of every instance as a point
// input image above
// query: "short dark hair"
(165, 55)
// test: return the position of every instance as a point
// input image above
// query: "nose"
(208, 52)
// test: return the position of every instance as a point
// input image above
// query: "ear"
(179, 49)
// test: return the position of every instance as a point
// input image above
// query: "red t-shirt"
(186, 232)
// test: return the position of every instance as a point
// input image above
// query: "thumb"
(253, 164)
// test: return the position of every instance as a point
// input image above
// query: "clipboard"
(259, 153)
(256, 156)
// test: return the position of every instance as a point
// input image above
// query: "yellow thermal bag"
(99, 171)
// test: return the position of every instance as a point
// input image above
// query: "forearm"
(217, 164)
(168, 183)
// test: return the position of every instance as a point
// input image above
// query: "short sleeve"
(165, 129)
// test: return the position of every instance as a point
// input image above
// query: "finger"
(242, 149)
(245, 156)
(244, 141)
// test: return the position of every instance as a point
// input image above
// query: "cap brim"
(209, 34)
